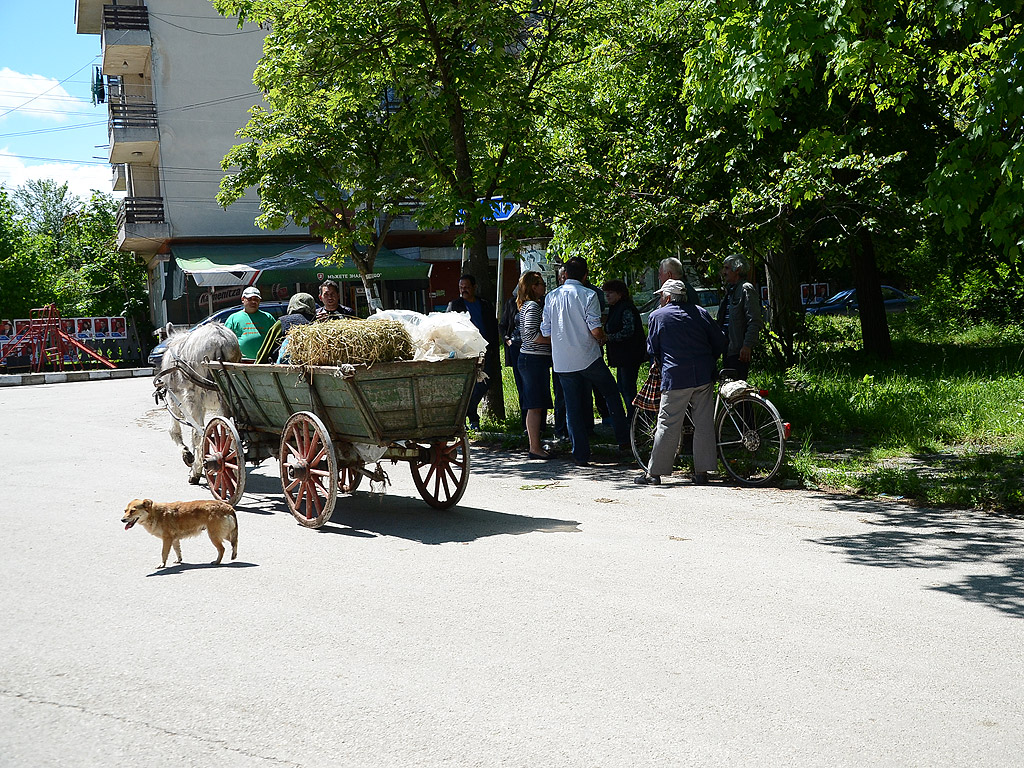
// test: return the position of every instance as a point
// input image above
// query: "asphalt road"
(557, 617)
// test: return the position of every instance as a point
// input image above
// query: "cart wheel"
(223, 460)
(441, 472)
(350, 478)
(309, 469)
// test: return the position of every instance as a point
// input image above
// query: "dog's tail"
(233, 535)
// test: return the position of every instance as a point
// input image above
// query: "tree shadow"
(935, 539)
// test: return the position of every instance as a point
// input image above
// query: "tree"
(45, 206)
(460, 86)
(20, 278)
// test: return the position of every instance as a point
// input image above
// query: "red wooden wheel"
(441, 472)
(223, 460)
(309, 469)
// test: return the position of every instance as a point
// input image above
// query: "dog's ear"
(147, 504)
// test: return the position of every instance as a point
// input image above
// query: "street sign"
(501, 211)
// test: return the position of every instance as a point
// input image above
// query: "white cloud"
(81, 179)
(36, 96)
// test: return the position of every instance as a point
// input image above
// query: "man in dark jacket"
(627, 344)
(685, 342)
(482, 313)
(739, 315)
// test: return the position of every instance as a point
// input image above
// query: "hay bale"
(358, 342)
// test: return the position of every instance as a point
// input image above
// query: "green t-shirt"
(250, 328)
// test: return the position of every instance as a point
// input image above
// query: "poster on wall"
(83, 327)
(118, 328)
(6, 330)
(813, 293)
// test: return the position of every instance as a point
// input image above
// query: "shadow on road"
(911, 537)
(367, 515)
(416, 521)
(177, 568)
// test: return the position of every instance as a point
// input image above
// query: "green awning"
(265, 262)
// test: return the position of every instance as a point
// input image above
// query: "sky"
(49, 128)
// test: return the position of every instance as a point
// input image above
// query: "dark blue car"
(276, 308)
(845, 302)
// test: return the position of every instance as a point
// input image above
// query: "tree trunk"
(784, 296)
(874, 325)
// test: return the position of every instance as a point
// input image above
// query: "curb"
(24, 379)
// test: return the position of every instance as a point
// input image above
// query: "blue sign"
(500, 211)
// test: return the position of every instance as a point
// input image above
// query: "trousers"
(671, 414)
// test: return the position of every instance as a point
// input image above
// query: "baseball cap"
(673, 288)
(250, 291)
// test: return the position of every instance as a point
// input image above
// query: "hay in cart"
(353, 342)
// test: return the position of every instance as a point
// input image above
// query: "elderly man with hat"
(250, 324)
(684, 341)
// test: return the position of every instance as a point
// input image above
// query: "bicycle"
(750, 432)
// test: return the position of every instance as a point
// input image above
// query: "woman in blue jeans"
(534, 360)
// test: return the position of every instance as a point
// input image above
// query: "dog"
(177, 520)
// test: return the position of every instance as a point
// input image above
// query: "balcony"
(141, 225)
(120, 174)
(126, 41)
(133, 133)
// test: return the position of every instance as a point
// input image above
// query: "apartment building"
(176, 78)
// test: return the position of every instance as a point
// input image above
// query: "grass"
(941, 423)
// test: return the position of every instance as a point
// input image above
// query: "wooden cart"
(313, 419)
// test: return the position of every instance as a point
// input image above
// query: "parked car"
(845, 302)
(705, 297)
(276, 308)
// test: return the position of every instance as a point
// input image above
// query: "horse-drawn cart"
(328, 425)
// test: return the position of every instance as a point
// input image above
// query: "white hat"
(251, 291)
(673, 288)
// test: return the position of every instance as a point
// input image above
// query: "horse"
(184, 383)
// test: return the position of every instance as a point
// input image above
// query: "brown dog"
(177, 520)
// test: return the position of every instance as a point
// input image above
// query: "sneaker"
(645, 479)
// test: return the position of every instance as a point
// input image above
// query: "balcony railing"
(140, 210)
(125, 17)
(124, 115)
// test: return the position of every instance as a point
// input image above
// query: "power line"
(40, 95)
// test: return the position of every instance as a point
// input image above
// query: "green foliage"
(72, 262)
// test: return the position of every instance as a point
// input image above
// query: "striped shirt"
(529, 326)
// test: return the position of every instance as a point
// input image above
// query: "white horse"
(190, 394)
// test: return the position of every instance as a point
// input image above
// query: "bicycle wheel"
(751, 439)
(641, 435)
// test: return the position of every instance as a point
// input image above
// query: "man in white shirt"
(572, 321)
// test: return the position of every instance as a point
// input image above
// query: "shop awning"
(212, 265)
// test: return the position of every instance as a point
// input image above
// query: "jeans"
(577, 404)
(627, 385)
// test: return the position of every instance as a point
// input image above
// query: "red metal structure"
(48, 345)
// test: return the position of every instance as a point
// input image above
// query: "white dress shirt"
(571, 311)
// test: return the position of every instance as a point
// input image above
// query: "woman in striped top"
(534, 360)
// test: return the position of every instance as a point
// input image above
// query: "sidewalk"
(20, 379)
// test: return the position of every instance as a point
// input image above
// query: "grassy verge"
(941, 423)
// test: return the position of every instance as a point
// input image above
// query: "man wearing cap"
(250, 324)
(685, 341)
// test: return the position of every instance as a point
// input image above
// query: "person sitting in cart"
(250, 324)
(301, 311)
(332, 309)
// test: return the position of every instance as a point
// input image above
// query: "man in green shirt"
(250, 324)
